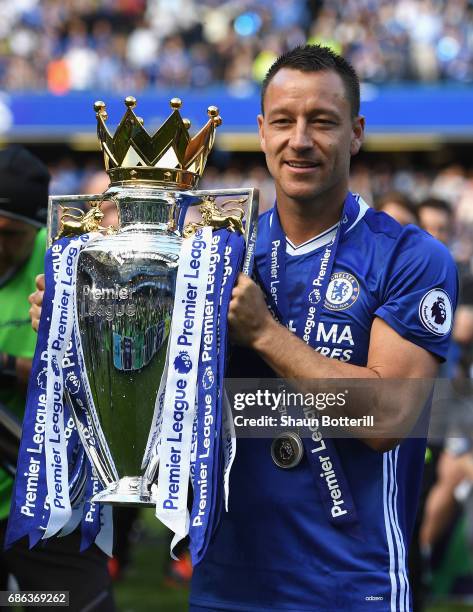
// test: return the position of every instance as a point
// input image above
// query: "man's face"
(16, 242)
(308, 135)
(436, 222)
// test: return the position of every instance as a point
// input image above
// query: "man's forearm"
(395, 405)
(290, 357)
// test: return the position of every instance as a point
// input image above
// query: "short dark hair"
(401, 199)
(315, 58)
(438, 204)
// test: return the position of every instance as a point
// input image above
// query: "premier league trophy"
(126, 403)
(125, 288)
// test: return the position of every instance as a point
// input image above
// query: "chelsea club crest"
(342, 291)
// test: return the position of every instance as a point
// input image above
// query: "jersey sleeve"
(418, 291)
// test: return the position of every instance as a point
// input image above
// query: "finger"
(36, 298)
(34, 314)
(40, 284)
(235, 293)
(243, 283)
(35, 311)
(244, 280)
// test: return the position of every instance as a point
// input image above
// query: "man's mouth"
(302, 164)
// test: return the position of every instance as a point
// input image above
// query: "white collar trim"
(326, 236)
(313, 244)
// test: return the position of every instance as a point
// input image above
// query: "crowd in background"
(72, 45)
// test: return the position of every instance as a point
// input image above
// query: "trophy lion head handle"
(218, 217)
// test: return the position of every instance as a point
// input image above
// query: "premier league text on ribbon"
(182, 363)
(62, 320)
(207, 357)
(32, 475)
(57, 346)
(275, 245)
(315, 295)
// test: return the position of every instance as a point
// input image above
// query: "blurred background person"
(398, 206)
(437, 218)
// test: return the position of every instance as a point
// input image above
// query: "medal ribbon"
(322, 454)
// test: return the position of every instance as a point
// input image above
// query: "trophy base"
(128, 491)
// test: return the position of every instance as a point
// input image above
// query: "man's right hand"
(36, 301)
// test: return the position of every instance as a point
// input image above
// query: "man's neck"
(303, 221)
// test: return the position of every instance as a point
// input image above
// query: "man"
(398, 206)
(22, 246)
(436, 217)
(24, 182)
(278, 547)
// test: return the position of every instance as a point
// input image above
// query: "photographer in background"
(56, 565)
(23, 200)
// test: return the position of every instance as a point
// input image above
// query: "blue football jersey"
(276, 549)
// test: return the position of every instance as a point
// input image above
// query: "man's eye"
(320, 121)
(280, 121)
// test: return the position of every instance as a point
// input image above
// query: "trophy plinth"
(125, 492)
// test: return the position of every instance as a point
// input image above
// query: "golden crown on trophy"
(170, 158)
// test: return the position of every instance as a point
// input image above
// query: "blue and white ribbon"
(52, 464)
(215, 437)
(176, 434)
(206, 436)
(60, 332)
(191, 434)
(206, 440)
(28, 509)
(322, 453)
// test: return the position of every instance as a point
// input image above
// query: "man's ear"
(358, 134)
(260, 119)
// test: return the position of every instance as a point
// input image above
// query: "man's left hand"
(36, 301)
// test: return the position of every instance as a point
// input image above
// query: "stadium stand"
(136, 44)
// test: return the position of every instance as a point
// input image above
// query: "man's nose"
(300, 138)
